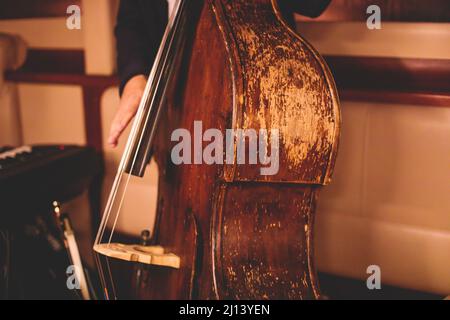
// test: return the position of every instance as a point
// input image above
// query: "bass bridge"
(150, 255)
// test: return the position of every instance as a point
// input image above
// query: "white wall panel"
(51, 114)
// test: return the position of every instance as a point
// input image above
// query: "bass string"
(117, 183)
(103, 282)
(125, 158)
(173, 24)
(133, 135)
(152, 105)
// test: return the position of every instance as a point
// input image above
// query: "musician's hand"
(129, 104)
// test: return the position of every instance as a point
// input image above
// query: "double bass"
(224, 230)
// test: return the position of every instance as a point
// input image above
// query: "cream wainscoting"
(389, 203)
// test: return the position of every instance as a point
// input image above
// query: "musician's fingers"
(125, 114)
(129, 104)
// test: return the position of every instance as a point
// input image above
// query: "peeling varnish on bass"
(283, 84)
(288, 92)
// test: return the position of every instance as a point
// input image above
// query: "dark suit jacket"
(141, 23)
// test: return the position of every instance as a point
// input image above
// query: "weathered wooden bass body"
(239, 234)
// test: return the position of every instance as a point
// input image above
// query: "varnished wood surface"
(427, 99)
(238, 236)
(20, 9)
(391, 10)
(423, 82)
(264, 243)
(63, 61)
(285, 86)
(390, 74)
